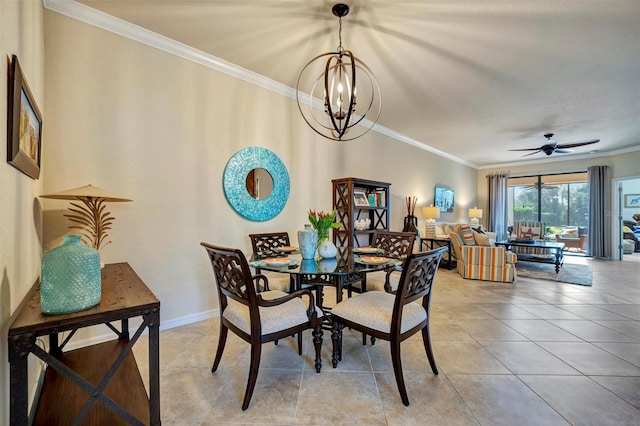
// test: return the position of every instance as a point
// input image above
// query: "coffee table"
(553, 248)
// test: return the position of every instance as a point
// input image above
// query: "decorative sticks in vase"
(411, 221)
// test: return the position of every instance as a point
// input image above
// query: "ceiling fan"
(552, 146)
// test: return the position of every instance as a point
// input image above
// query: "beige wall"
(21, 34)
(159, 129)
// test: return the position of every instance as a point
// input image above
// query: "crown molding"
(96, 18)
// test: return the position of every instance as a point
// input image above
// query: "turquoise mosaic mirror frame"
(234, 183)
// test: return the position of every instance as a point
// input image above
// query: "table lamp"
(91, 219)
(430, 214)
(475, 214)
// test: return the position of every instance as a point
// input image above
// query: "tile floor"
(529, 353)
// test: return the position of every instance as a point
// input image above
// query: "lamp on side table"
(475, 214)
(430, 214)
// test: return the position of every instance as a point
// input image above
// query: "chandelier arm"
(352, 95)
(338, 128)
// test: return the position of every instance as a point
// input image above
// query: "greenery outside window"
(558, 200)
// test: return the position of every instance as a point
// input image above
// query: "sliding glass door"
(559, 200)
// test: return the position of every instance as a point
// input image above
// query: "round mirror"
(259, 183)
(246, 168)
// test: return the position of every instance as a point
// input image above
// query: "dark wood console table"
(106, 373)
(430, 243)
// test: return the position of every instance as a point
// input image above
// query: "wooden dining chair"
(396, 245)
(393, 317)
(255, 317)
(266, 245)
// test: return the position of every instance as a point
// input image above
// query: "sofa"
(482, 262)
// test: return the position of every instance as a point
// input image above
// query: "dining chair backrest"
(265, 244)
(233, 276)
(416, 281)
(398, 245)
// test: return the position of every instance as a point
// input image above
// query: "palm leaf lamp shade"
(90, 216)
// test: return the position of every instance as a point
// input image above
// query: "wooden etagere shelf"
(348, 212)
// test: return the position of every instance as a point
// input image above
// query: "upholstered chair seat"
(374, 309)
(272, 318)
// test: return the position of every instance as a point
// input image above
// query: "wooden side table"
(106, 373)
(430, 243)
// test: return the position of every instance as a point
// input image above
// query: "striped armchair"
(536, 230)
(483, 262)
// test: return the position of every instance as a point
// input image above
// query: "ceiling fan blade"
(537, 151)
(563, 151)
(526, 149)
(575, 144)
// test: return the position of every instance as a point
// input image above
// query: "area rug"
(569, 273)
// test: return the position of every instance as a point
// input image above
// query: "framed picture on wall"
(24, 124)
(632, 200)
(444, 198)
(360, 199)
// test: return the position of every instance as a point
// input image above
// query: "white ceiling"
(471, 78)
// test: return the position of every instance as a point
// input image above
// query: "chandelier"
(331, 77)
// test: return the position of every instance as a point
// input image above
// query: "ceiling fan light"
(552, 146)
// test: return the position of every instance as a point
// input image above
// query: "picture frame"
(360, 199)
(444, 198)
(24, 124)
(632, 200)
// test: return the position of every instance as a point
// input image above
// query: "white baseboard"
(164, 325)
(189, 319)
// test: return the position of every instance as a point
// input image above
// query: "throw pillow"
(533, 232)
(478, 230)
(447, 228)
(467, 235)
(481, 239)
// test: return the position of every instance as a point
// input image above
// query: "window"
(557, 200)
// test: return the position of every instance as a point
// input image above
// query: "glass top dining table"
(351, 265)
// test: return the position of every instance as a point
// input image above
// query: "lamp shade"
(90, 217)
(431, 212)
(475, 213)
(87, 191)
